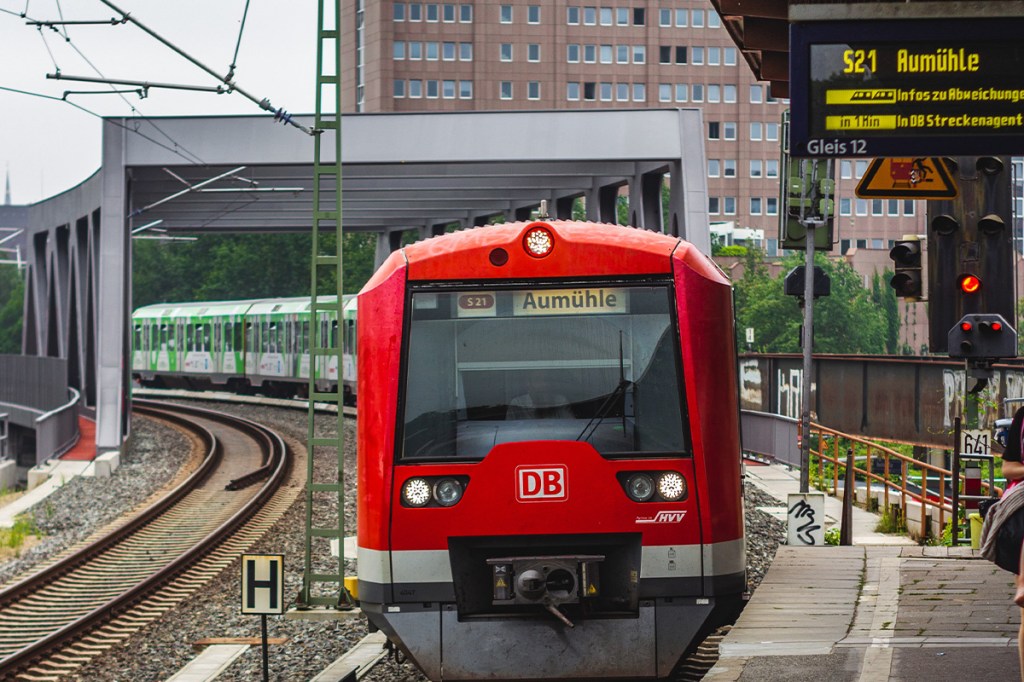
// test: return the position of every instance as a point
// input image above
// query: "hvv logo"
(663, 517)
(542, 483)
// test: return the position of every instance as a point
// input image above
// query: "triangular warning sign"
(907, 178)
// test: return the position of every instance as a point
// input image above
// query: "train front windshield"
(590, 363)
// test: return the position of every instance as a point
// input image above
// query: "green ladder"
(326, 586)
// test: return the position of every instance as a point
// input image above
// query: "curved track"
(55, 620)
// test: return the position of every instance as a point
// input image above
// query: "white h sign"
(263, 583)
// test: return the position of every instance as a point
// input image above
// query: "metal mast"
(323, 579)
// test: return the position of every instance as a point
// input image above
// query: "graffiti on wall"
(789, 384)
(991, 403)
(750, 385)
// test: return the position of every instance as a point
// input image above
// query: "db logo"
(541, 484)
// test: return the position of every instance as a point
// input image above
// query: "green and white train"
(254, 346)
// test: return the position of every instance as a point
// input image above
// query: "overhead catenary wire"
(238, 43)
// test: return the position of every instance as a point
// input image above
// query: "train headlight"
(447, 492)
(640, 487)
(539, 240)
(416, 492)
(672, 486)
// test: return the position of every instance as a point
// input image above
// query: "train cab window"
(597, 363)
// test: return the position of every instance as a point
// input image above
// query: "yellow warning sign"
(592, 590)
(501, 583)
(907, 178)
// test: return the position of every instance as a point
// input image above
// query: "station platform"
(875, 611)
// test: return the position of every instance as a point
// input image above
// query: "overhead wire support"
(112, 21)
(146, 85)
(279, 114)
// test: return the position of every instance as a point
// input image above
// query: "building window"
(505, 89)
(572, 53)
(432, 52)
(399, 9)
(714, 56)
(465, 52)
(399, 88)
(771, 168)
(729, 205)
(771, 206)
(415, 89)
(845, 169)
(622, 92)
(845, 207)
(533, 14)
(729, 130)
(622, 54)
(714, 93)
(448, 89)
(682, 18)
(590, 91)
(892, 207)
(714, 129)
(432, 89)
(622, 16)
(639, 54)
(876, 207)
(714, 21)
(533, 52)
(533, 90)
(606, 16)
(729, 168)
(756, 94)
(682, 92)
(590, 16)
(755, 205)
(432, 12)
(755, 131)
(665, 54)
(697, 92)
(664, 18)
(909, 206)
(639, 16)
(572, 16)
(606, 92)
(697, 56)
(860, 167)
(680, 54)
(606, 54)
(639, 92)
(771, 132)
(465, 89)
(572, 91)
(466, 14)
(756, 168)
(862, 206)
(697, 20)
(505, 14)
(590, 54)
(399, 50)
(415, 11)
(714, 168)
(415, 51)
(505, 52)
(713, 205)
(448, 14)
(665, 92)
(729, 94)
(729, 56)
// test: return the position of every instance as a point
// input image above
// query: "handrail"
(903, 487)
(74, 399)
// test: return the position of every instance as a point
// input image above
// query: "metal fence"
(34, 395)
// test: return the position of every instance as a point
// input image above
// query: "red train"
(549, 454)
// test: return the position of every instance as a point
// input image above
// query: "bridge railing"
(920, 483)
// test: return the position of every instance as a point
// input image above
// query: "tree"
(12, 302)
(847, 321)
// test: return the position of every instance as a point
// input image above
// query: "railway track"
(56, 620)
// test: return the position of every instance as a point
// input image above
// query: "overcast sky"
(50, 146)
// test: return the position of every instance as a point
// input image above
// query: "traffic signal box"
(982, 336)
(906, 256)
(808, 195)
(793, 284)
(970, 250)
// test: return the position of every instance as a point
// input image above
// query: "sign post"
(263, 592)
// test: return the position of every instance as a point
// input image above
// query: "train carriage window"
(265, 337)
(595, 364)
(334, 334)
(250, 337)
(222, 336)
(137, 338)
(305, 336)
(206, 338)
(292, 339)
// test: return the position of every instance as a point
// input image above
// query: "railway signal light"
(970, 248)
(981, 335)
(906, 255)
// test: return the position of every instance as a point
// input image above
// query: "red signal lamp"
(970, 284)
(966, 326)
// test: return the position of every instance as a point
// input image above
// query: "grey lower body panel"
(517, 648)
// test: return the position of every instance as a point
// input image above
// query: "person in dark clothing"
(1013, 471)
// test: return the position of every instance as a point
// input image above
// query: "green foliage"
(731, 250)
(776, 318)
(832, 535)
(12, 302)
(230, 267)
(14, 537)
(891, 521)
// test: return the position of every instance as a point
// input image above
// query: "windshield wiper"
(606, 406)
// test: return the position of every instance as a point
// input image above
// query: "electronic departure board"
(907, 87)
